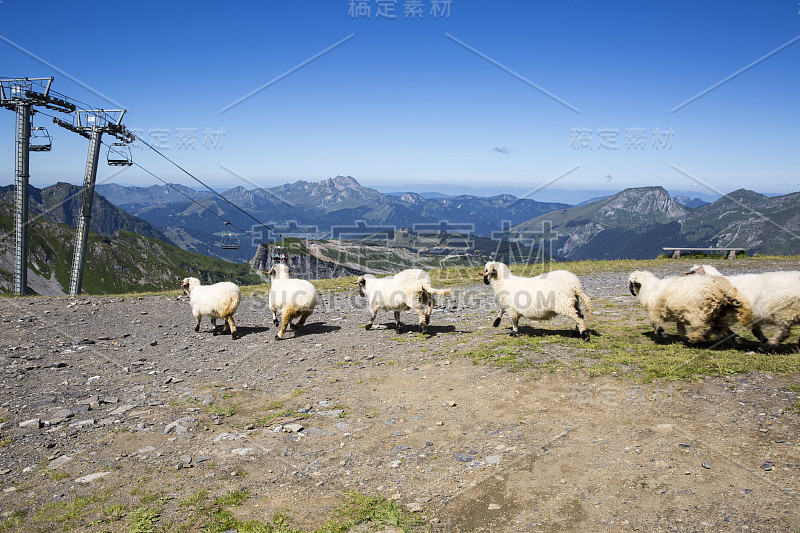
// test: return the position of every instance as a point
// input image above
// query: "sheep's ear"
(700, 270)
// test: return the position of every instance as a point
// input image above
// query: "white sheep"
(539, 298)
(774, 298)
(410, 289)
(219, 300)
(703, 307)
(291, 297)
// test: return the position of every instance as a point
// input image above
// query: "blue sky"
(425, 100)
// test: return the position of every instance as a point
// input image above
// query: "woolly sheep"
(219, 300)
(291, 297)
(410, 289)
(539, 298)
(703, 307)
(774, 298)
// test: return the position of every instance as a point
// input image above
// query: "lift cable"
(218, 194)
(171, 186)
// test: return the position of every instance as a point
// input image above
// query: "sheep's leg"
(275, 317)
(429, 310)
(694, 333)
(397, 323)
(371, 320)
(230, 323)
(575, 314)
(197, 325)
(499, 316)
(759, 334)
(214, 326)
(659, 330)
(424, 319)
(514, 324)
(284, 322)
(300, 322)
(779, 337)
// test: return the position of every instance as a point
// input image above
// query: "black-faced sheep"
(703, 307)
(219, 300)
(774, 298)
(407, 290)
(539, 298)
(290, 297)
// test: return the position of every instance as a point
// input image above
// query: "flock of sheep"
(703, 304)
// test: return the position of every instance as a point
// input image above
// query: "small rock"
(396, 464)
(293, 428)
(767, 466)
(317, 432)
(60, 461)
(705, 465)
(493, 507)
(91, 477)
(451, 404)
(664, 428)
(185, 459)
(146, 449)
(414, 507)
(34, 423)
(463, 458)
(493, 459)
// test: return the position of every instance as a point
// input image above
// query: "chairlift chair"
(119, 155)
(279, 255)
(40, 140)
(230, 241)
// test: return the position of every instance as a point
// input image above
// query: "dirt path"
(126, 389)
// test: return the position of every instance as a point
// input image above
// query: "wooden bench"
(730, 252)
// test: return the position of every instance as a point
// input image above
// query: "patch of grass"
(69, 513)
(222, 410)
(194, 500)
(376, 511)
(143, 520)
(6, 441)
(58, 476)
(234, 497)
(13, 522)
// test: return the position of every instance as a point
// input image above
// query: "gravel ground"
(102, 392)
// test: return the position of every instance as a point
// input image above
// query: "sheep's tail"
(744, 313)
(438, 292)
(585, 302)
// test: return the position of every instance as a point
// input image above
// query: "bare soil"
(125, 388)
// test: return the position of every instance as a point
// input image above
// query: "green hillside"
(126, 262)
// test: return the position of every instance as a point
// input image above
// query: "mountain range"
(637, 223)
(634, 223)
(336, 208)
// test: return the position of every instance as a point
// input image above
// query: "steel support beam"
(82, 235)
(22, 177)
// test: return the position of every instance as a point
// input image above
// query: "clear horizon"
(519, 95)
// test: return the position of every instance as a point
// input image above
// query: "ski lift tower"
(23, 95)
(92, 124)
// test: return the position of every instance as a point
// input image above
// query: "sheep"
(291, 297)
(703, 307)
(539, 298)
(216, 301)
(774, 298)
(410, 289)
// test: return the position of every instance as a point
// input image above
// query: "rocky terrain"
(121, 395)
